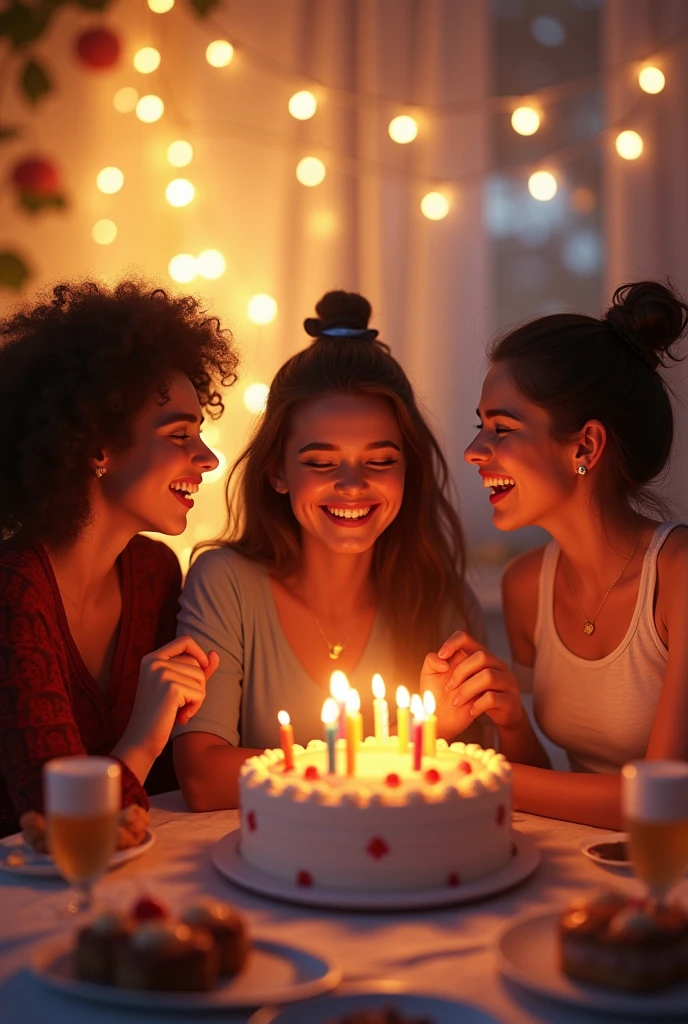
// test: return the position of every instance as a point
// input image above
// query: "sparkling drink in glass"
(82, 802)
(654, 799)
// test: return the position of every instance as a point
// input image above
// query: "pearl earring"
(100, 470)
(582, 470)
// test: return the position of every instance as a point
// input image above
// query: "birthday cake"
(387, 826)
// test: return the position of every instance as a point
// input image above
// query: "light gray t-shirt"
(227, 606)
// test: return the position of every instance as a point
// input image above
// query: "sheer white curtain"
(361, 229)
(646, 200)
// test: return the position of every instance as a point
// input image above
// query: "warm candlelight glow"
(339, 686)
(403, 698)
(330, 712)
(283, 717)
(378, 686)
(417, 709)
(353, 702)
(429, 703)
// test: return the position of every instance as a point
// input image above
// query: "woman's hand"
(452, 720)
(479, 681)
(170, 691)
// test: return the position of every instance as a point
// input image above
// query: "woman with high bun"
(342, 551)
(575, 424)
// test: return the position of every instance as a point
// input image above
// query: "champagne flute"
(82, 802)
(654, 801)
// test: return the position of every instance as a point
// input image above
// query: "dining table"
(447, 952)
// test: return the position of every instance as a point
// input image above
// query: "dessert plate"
(381, 996)
(609, 849)
(227, 859)
(273, 973)
(528, 951)
(41, 865)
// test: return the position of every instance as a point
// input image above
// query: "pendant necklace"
(334, 649)
(589, 624)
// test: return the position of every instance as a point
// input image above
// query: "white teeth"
(185, 488)
(498, 481)
(348, 513)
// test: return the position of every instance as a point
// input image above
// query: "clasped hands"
(467, 681)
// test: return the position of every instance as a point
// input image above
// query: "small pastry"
(168, 957)
(227, 927)
(98, 944)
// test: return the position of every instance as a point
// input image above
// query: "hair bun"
(649, 318)
(341, 315)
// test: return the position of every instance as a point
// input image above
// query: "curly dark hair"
(75, 370)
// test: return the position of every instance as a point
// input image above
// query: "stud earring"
(100, 470)
(582, 470)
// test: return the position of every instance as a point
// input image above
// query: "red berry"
(393, 780)
(98, 48)
(311, 772)
(432, 776)
(148, 909)
(464, 768)
(36, 177)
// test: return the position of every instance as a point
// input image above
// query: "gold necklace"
(334, 649)
(589, 624)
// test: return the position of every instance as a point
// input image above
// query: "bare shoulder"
(672, 571)
(522, 574)
(520, 582)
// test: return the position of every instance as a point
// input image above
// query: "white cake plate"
(228, 860)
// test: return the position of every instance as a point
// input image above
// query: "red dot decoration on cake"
(304, 879)
(501, 814)
(377, 848)
(432, 776)
(454, 880)
(311, 772)
(514, 849)
(464, 768)
(251, 821)
(392, 780)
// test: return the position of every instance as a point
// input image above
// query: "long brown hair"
(419, 560)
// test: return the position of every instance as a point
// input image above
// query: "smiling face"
(343, 467)
(531, 476)
(150, 485)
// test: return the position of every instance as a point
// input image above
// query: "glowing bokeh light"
(110, 180)
(211, 264)
(182, 268)
(160, 6)
(403, 129)
(180, 153)
(180, 192)
(219, 53)
(255, 398)
(310, 171)
(262, 309)
(147, 59)
(150, 108)
(104, 232)
(125, 99)
(629, 145)
(303, 105)
(434, 206)
(542, 186)
(525, 120)
(651, 80)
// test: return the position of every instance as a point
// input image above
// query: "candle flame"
(378, 686)
(353, 702)
(283, 717)
(339, 686)
(417, 709)
(403, 698)
(429, 703)
(330, 712)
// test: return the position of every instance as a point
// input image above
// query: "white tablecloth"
(406, 946)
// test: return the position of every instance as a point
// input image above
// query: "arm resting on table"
(208, 770)
(590, 799)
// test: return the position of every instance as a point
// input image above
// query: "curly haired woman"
(101, 399)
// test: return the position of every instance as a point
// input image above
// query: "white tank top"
(601, 712)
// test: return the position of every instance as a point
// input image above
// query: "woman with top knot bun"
(342, 551)
(575, 424)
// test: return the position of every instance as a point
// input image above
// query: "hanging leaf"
(8, 131)
(13, 270)
(32, 202)
(35, 82)
(203, 7)
(23, 23)
(94, 5)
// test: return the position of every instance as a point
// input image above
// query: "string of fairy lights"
(404, 129)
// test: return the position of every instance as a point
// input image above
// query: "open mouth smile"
(183, 489)
(348, 516)
(499, 486)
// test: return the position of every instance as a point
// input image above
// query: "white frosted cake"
(388, 827)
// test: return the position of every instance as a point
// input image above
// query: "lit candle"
(354, 729)
(403, 702)
(380, 709)
(418, 714)
(330, 719)
(339, 687)
(286, 739)
(429, 725)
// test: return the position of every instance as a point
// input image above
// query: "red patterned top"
(50, 705)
